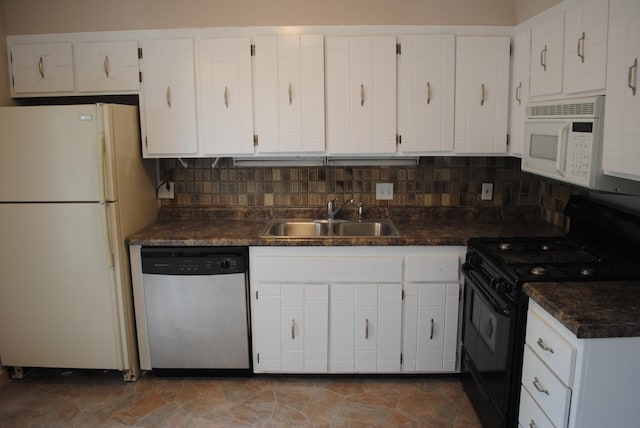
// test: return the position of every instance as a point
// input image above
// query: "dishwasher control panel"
(194, 260)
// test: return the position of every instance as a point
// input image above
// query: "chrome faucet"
(331, 212)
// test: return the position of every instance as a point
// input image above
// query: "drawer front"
(531, 415)
(547, 390)
(555, 351)
(435, 268)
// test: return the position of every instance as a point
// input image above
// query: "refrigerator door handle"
(103, 205)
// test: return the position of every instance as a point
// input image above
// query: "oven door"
(487, 327)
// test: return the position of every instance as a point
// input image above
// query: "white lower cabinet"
(341, 309)
(576, 383)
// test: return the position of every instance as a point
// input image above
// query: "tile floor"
(55, 398)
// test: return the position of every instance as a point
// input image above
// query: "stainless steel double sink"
(331, 229)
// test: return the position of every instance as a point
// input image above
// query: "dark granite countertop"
(428, 226)
(591, 309)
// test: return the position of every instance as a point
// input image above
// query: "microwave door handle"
(561, 156)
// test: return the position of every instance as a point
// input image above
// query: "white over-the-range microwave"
(563, 141)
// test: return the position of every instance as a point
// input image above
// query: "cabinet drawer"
(443, 268)
(531, 415)
(547, 390)
(554, 350)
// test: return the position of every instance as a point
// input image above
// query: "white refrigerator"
(72, 187)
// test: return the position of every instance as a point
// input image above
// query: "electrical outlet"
(384, 191)
(487, 192)
(166, 190)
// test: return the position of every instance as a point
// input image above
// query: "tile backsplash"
(435, 181)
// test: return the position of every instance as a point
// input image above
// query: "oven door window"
(486, 342)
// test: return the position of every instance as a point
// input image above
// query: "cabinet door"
(107, 66)
(226, 96)
(46, 67)
(426, 78)
(519, 90)
(546, 56)
(482, 94)
(585, 46)
(622, 127)
(290, 327)
(361, 95)
(169, 118)
(290, 71)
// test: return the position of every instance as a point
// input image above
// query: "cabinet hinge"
(255, 140)
(257, 295)
(11, 57)
(258, 357)
(511, 50)
(13, 81)
(253, 50)
(398, 49)
(139, 53)
(402, 295)
(140, 76)
(398, 139)
(401, 358)
(146, 142)
(508, 140)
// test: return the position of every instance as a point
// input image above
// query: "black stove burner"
(539, 270)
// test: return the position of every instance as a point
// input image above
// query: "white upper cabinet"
(107, 66)
(519, 90)
(41, 68)
(225, 96)
(482, 94)
(361, 95)
(585, 46)
(546, 56)
(426, 80)
(288, 84)
(622, 125)
(168, 98)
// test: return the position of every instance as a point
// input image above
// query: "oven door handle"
(470, 273)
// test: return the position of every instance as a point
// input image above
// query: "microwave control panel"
(580, 153)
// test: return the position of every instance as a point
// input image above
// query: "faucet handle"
(360, 211)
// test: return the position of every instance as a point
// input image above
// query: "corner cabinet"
(482, 94)
(622, 127)
(168, 100)
(361, 95)
(353, 310)
(571, 382)
(426, 88)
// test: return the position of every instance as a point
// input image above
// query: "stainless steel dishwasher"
(196, 304)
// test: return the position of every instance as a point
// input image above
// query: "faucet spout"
(331, 212)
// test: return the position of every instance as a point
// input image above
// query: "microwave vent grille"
(565, 110)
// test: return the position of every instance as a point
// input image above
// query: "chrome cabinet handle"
(290, 94)
(544, 347)
(483, 93)
(168, 95)
(366, 328)
(41, 67)
(543, 58)
(105, 66)
(361, 95)
(428, 93)
(539, 387)
(518, 98)
(532, 424)
(632, 76)
(490, 328)
(431, 333)
(293, 329)
(226, 97)
(581, 47)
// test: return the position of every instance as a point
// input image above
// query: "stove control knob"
(500, 286)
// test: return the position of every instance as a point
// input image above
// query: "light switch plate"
(487, 192)
(384, 191)
(166, 190)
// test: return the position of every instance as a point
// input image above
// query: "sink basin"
(330, 229)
